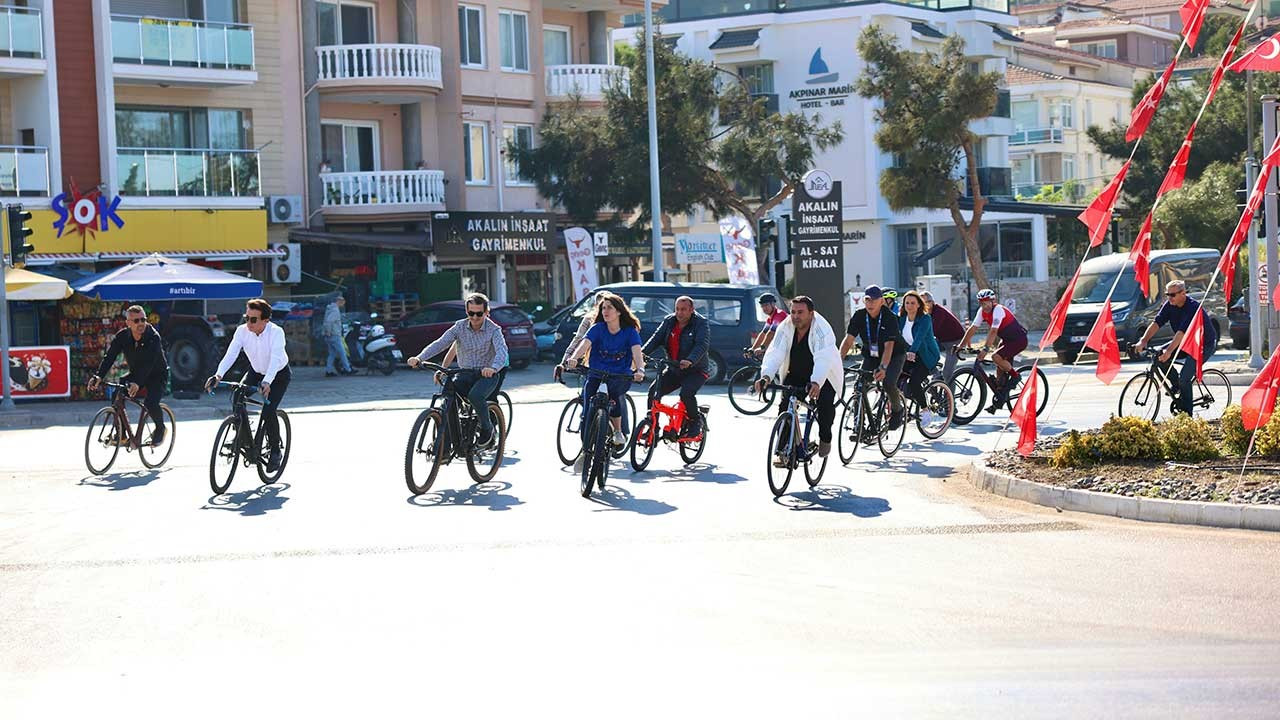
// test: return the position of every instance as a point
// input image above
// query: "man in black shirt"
(148, 367)
(880, 333)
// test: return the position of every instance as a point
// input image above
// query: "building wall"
(79, 113)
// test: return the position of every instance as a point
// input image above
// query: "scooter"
(372, 347)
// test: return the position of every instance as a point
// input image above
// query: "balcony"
(379, 73)
(177, 51)
(21, 42)
(1037, 136)
(24, 171)
(994, 182)
(586, 81)
(382, 193)
(188, 173)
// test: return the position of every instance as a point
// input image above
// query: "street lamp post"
(655, 200)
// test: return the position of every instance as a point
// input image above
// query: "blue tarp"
(161, 278)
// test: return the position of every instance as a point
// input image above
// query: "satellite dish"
(923, 257)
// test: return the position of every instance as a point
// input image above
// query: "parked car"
(1130, 309)
(420, 328)
(733, 312)
(1238, 317)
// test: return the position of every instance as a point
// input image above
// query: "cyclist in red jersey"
(774, 315)
(1012, 340)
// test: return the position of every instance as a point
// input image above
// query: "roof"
(1020, 75)
(738, 38)
(1005, 34)
(1110, 22)
(927, 30)
(1204, 62)
(1040, 48)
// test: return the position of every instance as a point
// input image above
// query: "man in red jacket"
(947, 329)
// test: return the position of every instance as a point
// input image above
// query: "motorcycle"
(372, 347)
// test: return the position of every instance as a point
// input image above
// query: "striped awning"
(54, 258)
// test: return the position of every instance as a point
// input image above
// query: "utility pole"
(6, 401)
(1251, 174)
(655, 199)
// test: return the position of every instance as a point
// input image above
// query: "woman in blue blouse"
(922, 347)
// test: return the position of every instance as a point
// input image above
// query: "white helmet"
(986, 294)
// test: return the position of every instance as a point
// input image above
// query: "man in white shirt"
(263, 343)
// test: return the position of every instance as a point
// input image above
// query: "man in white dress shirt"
(263, 343)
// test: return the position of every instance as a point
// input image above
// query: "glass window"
(349, 148)
(153, 128)
(513, 36)
(1026, 115)
(651, 309)
(471, 35)
(512, 315)
(1068, 168)
(1094, 287)
(344, 24)
(758, 77)
(911, 241)
(475, 151)
(555, 45)
(717, 311)
(519, 136)
(226, 129)
(1015, 250)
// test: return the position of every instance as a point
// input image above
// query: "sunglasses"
(476, 313)
(252, 319)
(1174, 294)
(137, 321)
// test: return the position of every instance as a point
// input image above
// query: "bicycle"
(109, 430)
(969, 387)
(569, 428)
(439, 442)
(237, 441)
(785, 429)
(742, 394)
(598, 445)
(1141, 395)
(650, 431)
(504, 400)
(864, 420)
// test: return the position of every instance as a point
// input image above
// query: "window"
(344, 23)
(1159, 21)
(471, 35)
(723, 312)
(519, 136)
(154, 127)
(475, 149)
(1026, 115)
(1088, 113)
(1006, 250)
(349, 146)
(651, 309)
(511, 315)
(513, 36)
(758, 77)
(1068, 168)
(1062, 113)
(1104, 48)
(556, 45)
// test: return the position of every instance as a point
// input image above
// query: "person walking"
(337, 362)
(947, 331)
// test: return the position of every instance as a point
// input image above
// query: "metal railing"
(180, 42)
(21, 32)
(188, 172)
(380, 61)
(24, 170)
(383, 187)
(1036, 136)
(585, 80)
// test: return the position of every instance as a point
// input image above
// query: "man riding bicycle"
(686, 336)
(1013, 340)
(805, 355)
(263, 343)
(1179, 310)
(482, 348)
(148, 368)
(774, 316)
(879, 333)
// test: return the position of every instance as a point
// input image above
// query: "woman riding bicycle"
(922, 347)
(612, 345)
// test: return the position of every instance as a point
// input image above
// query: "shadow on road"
(615, 498)
(957, 448)
(703, 472)
(908, 464)
(250, 503)
(488, 495)
(835, 498)
(122, 480)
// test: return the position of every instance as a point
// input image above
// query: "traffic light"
(19, 248)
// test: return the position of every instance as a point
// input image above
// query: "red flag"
(1193, 343)
(1227, 263)
(1259, 401)
(1098, 215)
(1141, 256)
(1221, 70)
(1142, 113)
(1264, 57)
(1178, 168)
(1058, 316)
(1192, 13)
(1103, 339)
(1024, 413)
(1275, 299)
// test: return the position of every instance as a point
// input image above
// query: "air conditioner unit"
(284, 208)
(287, 269)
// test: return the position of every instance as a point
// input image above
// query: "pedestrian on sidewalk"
(337, 362)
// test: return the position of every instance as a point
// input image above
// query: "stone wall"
(1031, 301)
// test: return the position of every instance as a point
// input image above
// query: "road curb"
(1180, 512)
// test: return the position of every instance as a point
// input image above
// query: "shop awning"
(40, 259)
(22, 284)
(419, 241)
(160, 278)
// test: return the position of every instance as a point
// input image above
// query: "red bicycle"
(652, 430)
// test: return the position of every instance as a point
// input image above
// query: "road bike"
(866, 417)
(109, 431)
(569, 428)
(448, 430)
(742, 391)
(1141, 395)
(799, 412)
(651, 431)
(969, 386)
(239, 441)
(598, 447)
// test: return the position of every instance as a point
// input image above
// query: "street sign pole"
(6, 401)
(655, 195)
(1253, 292)
(1269, 105)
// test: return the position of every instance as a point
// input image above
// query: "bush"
(1078, 450)
(1267, 442)
(1186, 439)
(1234, 437)
(1126, 438)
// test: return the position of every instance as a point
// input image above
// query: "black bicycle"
(598, 446)
(450, 429)
(569, 429)
(239, 440)
(969, 385)
(783, 442)
(742, 390)
(1141, 395)
(868, 412)
(109, 431)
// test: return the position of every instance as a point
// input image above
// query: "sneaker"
(273, 462)
(619, 439)
(350, 371)
(824, 449)
(577, 463)
(157, 437)
(895, 420)
(486, 437)
(330, 374)
(781, 460)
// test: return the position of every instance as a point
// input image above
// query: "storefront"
(506, 256)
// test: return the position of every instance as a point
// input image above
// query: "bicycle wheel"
(286, 444)
(425, 438)
(890, 440)
(594, 450)
(812, 456)
(504, 401)
(969, 394)
(742, 394)
(690, 452)
(154, 456)
(780, 443)
(1213, 395)
(568, 432)
(1141, 397)
(850, 430)
(643, 441)
(102, 442)
(225, 458)
(940, 405)
(1042, 389)
(483, 463)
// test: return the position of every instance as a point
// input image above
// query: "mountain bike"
(742, 393)
(798, 412)
(448, 430)
(239, 441)
(598, 446)
(1141, 395)
(969, 386)
(651, 431)
(109, 431)
(569, 428)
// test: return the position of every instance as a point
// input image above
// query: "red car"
(419, 329)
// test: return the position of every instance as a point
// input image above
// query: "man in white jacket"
(805, 353)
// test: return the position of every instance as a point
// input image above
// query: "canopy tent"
(161, 278)
(20, 284)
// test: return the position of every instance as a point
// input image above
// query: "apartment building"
(1106, 35)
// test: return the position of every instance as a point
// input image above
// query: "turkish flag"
(1227, 263)
(1024, 413)
(1098, 215)
(1178, 168)
(1275, 299)
(1221, 70)
(1141, 256)
(1192, 14)
(1058, 316)
(1142, 113)
(1264, 57)
(1103, 339)
(1193, 343)
(1259, 400)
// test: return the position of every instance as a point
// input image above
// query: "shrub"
(1186, 439)
(1126, 438)
(1267, 442)
(1078, 450)
(1234, 437)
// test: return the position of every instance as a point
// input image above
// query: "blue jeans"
(477, 389)
(337, 355)
(1187, 378)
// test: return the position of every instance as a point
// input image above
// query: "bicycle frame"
(797, 403)
(118, 401)
(249, 443)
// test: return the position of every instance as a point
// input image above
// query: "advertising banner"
(601, 240)
(817, 247)
(699, 249)
(582, 261)
(43, 371)
(738, 240)
(471, 234)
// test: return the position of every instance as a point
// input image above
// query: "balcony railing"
(382, 61)
(383, 188)
(182, 172)
(178, 42)
(993, 181)
(1036, 136)
(24, 170)
(589, 81)
(21, 34)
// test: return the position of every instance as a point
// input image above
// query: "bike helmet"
(768, 298)
(890, 294)
(986, 294)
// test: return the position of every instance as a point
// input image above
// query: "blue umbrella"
(160, 278)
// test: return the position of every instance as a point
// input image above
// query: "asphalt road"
(893, 590)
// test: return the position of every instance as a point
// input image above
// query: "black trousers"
(154, 387)
(892, 370)
(279, 385)
(826, 412)
(917, 375)
(689, 382)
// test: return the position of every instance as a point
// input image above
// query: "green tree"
(927, 102)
